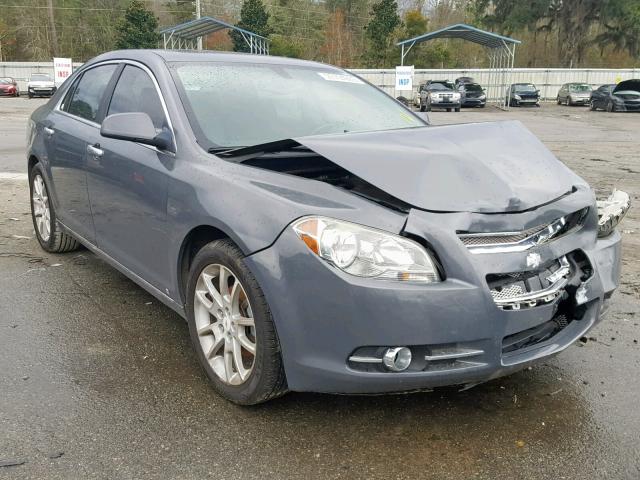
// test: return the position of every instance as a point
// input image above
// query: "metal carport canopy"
(185, 34)
(501, 51)
(465, 32)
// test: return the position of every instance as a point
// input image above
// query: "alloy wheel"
(41, 210)
(225, 324)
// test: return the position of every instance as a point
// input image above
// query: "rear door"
(68, 130)
(128, 184)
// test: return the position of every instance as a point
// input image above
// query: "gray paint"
(146, 201)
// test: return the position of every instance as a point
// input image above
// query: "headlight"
(456, 96)
(367, 252)
(611, 211)
(434, 96)
(482, 97)
(517, 97)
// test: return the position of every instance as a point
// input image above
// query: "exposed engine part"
(530, 289)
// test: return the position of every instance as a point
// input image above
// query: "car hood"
(478, 167)
(633, 85)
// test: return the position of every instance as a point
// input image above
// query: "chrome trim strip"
(359, 359)
(544, 234)
(462, 353)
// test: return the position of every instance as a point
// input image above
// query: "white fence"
(548, 80)
(21, 71)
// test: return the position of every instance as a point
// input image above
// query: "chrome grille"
(500, 242)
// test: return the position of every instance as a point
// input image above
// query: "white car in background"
(41, 85)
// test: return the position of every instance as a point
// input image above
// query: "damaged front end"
(526, 259)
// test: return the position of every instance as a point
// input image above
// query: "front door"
(128, 185)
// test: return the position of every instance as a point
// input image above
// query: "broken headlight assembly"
(367, 252)
(611, 211)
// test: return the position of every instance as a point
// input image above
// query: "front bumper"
(473, 102)
(580, 100)
(323, 315)
(42, 92)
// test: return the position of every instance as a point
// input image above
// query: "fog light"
(397, 359)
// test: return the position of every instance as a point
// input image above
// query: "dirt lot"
(99, 380)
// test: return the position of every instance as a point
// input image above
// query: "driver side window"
(136, 92)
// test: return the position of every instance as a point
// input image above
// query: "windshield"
(41, 78)
(524, 88)
(440, 86)
(238, 104)
(579, 88)
(4, 82)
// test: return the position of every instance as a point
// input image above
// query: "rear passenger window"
(87, 96)
(136, 92)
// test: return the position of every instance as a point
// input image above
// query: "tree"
(253, 17)
(575, 23)
(338, 44)
(380, 33)
(137, 29)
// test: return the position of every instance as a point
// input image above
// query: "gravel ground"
(99, 380)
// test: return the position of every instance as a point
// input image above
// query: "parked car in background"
(472, 95)
(520, 94)
(623, 97)
(462, 80)
(40, 85)
(9, 87)
(345, 247)
(439, 94)
(574, 94)
(599, 98)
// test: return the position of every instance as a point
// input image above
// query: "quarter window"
(87, 96)
(136, 92)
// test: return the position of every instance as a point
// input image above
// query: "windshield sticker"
(337, 77)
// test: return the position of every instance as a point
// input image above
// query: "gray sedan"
(332, 243)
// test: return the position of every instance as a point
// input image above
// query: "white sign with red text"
(62, 68)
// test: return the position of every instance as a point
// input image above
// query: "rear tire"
(242, 384)
(50, 237)
(558, 101)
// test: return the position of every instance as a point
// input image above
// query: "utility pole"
(198, 14)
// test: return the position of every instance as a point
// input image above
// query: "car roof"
(151, 56)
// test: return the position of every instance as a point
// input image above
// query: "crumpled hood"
(478, 167)
(627, 85)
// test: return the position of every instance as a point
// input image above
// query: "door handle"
(49, 131)
(95, 151)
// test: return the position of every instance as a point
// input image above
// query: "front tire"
(50, 237)
(611, 108)
(231, 327)
(457, 109)
(592, 106)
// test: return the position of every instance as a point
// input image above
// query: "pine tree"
(138, 28)
(380, 33)
(254, 18)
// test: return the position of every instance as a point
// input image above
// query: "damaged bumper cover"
(457, 331)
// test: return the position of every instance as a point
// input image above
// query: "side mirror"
(135, 127)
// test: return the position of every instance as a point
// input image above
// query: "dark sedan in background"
(9, 87)
(521, 94)
(320, 245)
(623, 97)
(472, 95)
